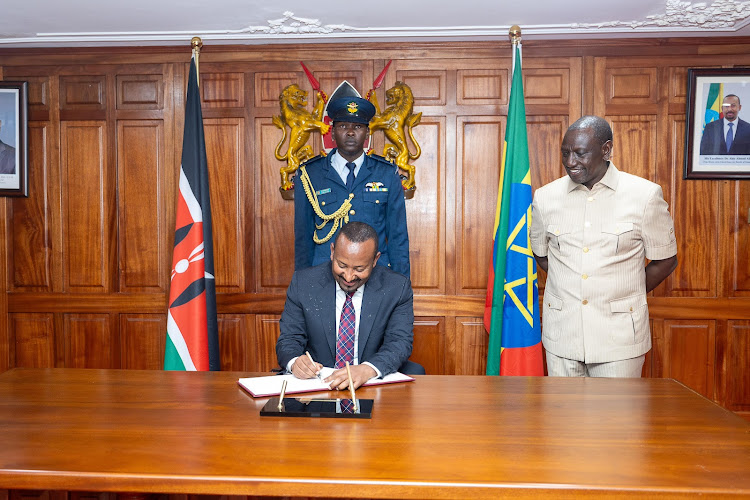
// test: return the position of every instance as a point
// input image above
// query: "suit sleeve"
(399, 334)
(293, 337)
(706, 141)
(304, 221)
(396, 230)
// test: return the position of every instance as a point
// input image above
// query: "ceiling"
(65, 23)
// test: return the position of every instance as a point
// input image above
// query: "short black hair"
(733, 95)
(358, 232)
(602, 130)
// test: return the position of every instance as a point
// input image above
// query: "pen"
(281, 396)
(317, 374)
(351, 386)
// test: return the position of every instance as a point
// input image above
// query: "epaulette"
(379, 158)
(318, 157)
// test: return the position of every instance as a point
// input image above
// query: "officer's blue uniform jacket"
(382, 207)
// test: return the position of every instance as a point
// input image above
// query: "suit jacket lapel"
(371, 300)
(328, 303)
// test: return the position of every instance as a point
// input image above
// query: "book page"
(271, 385)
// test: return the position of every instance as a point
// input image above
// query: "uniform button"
(591, 198)
(557, 232)
(585, 276)
(631, 309)
(585, 249)
(377, 201)
(585, 302)
(322, 203)
(351, 212)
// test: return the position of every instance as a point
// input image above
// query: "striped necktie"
(345, 340)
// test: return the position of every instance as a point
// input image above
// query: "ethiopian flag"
(192, 330)
(511, 312)
(713, 103)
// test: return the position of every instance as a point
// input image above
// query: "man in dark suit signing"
(729, 135)
(351, 310)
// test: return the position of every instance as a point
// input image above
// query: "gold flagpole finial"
(514, 34)
(197, 44)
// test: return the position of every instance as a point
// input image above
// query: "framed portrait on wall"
(717, 132)
(14, 149)
(14, 157)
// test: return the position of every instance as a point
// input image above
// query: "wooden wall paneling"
(634, 141)
(142, 339)
(30, 245)
(429, 344)
(226, 167)
(32, 340)
(477, 87)
(140, 200)
(330, 73)
(83, 94)
(140, 91)
(425, 212)
(236, 332)
(85, 206)
(429, 86)
(478, 157)
(264, 345)
(269, 85)
(221, 89)
(695, 210)
(685, 350)
(89, 341)
(472, 343)
(631, 85)
(735, 244)
(737, 361)
(274, 217)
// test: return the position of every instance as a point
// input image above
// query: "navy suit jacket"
(386, 321)
(384, 209)
(713, 141)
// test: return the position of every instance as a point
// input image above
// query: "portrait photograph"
(717, 142)
(13, 139)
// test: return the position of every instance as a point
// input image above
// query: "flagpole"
(197, 44)
(514, 33)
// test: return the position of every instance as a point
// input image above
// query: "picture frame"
(14, 132)
(710, 93)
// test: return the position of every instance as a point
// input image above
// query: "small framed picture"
(717, 132)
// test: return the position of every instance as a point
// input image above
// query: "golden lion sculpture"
(301, 123)
(397, 115)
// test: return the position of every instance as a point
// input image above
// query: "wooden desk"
(438, 437)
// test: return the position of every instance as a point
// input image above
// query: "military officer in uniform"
(349, 185)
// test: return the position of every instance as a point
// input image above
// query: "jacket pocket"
(617, 235)
(629, 319)
(552, 314)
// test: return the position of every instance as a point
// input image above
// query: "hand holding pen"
(304, 367)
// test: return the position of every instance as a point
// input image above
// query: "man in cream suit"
(591, 231)
(348, 299)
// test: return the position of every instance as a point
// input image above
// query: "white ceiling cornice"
(637, 18)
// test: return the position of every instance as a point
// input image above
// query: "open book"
(261, 387)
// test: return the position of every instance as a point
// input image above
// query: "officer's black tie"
(350, 178)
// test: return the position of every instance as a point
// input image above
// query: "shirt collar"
(339, 161)
(357, 293)
(609, 180)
